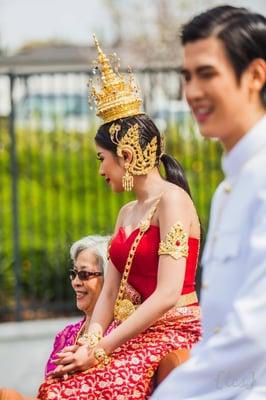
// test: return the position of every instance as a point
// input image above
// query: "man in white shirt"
(224, 74)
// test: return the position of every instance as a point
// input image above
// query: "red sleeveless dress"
(130, 373)
(143, 273)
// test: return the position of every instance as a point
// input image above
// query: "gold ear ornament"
(127, 179)
(143, 161)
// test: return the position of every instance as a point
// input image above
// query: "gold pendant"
(123, 309)
(127, 181)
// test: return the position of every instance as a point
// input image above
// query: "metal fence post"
(15, 211)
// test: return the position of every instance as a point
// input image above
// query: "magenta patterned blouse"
(66, 337)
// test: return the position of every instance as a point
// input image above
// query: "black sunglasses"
(83, 275)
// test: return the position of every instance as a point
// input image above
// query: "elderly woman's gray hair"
(98, 245)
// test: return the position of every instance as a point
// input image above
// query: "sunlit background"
(50, 191)
(27, 21)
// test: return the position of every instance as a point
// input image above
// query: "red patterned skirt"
(130, 373)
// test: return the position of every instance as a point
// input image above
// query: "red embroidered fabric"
(143, 273)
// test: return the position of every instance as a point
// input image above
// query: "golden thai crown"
(118, 96)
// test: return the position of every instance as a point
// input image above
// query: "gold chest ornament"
(124, 307)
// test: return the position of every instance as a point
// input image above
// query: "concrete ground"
(24, 350)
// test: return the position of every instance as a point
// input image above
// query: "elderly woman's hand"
(73, 359)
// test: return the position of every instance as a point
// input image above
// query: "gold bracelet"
(91, 339)
(101, 356)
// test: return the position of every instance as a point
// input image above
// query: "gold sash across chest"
(124, 307)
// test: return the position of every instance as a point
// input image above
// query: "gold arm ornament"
(175, 243)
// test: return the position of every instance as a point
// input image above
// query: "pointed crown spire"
(118, 97)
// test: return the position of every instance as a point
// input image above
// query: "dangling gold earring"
(127, 179)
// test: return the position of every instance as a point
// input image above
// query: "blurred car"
(50, 112)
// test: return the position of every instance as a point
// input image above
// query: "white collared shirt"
(230, 361)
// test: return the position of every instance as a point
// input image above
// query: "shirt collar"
(249, 144)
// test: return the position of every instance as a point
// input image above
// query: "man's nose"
(193, 90)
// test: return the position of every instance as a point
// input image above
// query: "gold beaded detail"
(91, 339)
(127, 179)
(124, 307)
(175, 243)
(101, 356)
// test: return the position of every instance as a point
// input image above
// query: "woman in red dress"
(148, 306)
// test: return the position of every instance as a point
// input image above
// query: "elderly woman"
(89, 257)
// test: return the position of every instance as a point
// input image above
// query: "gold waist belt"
(124, 308)
(187, 299)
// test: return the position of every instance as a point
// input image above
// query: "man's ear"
(257, 73)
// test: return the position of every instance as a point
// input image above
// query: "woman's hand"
(73, 359)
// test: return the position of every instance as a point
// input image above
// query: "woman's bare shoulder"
(125, 210)
(176, 204)
(175, 196)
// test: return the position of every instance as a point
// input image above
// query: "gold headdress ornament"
(142, 161)
(118, 97)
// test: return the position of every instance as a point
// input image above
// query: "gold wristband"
(101, 356)
(91, 339)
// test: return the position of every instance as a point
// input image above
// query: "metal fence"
(50, 191)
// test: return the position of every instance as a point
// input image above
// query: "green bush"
(61, 198)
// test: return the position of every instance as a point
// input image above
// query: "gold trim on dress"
(175, 243)
(187, 299)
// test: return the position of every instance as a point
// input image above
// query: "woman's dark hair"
(242, 32)
(173, 170)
